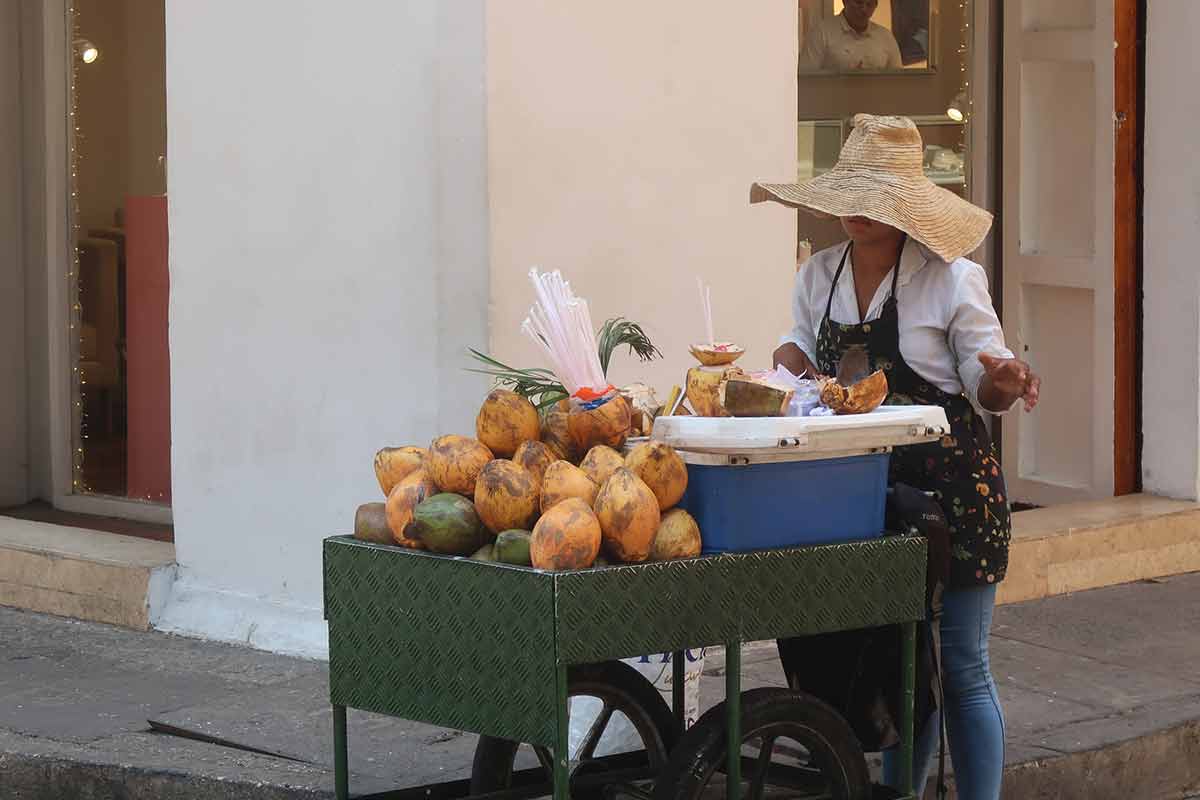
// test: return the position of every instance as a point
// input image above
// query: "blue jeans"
(973, 715)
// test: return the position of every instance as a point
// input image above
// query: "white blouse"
(945, 310)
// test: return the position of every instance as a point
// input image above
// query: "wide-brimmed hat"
(879, 175)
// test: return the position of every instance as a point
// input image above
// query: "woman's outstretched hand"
(794, 359)
(1005, 381)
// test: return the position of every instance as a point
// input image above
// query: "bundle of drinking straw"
(560, 324)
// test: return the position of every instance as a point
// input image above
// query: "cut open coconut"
(862, 397)
(717, 354)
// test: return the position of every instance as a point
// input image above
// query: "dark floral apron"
(961, 469)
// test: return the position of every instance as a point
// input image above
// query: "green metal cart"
(492, 649)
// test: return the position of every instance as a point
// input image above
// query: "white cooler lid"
(804, 437)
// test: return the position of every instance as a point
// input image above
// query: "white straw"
(560, 324)
(706, 309)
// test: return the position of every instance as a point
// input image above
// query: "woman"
(902, 290)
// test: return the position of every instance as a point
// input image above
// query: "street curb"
(39, 777)
(1161, 764)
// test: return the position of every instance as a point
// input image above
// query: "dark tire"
(834, 765)
(614, 683)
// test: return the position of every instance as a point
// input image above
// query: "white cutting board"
(884, 428)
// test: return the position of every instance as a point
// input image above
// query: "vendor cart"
(499, 650)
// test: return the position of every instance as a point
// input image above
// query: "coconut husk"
(747, 397)
(862, 397)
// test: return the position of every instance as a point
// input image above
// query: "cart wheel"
(625, 701)
(793, 745)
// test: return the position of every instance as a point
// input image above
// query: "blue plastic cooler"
(787, 504)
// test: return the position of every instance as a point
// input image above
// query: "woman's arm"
(993, 379)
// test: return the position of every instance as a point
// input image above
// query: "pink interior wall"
(148, 364)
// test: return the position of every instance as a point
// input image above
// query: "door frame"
(49, 90)
(1130, 90)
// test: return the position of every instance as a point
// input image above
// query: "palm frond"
(537, 385)
(620, 331)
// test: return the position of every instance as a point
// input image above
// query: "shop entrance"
(1070, 244)
(91, 229)
(1023, 107)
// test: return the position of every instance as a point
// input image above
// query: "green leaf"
(537, 385)
(620, 331)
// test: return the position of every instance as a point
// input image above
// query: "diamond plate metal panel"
(650, 608)
(833, 588)
(473, 645)
(450, 642)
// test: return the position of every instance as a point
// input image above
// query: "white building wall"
(1171, 376)
(623, 138)
(328, 228)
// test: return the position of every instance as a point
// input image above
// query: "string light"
(965, 85)
(79, 420)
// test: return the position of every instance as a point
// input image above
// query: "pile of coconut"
(544, 485)
(518, 493)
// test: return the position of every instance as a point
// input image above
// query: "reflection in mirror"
(818, 143)
(847, 36)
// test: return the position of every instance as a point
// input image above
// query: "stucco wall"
(14, 457)
(622, 139)
(328, 254)
(1171, 378)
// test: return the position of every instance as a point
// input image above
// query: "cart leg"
(341, 772)
(733, 708)
(677, 666)
(562, 775)
(908, 693)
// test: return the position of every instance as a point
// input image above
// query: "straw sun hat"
(879, 175)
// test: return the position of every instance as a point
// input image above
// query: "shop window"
(904, 57)
(118, 276)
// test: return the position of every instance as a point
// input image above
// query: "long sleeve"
(974, 328)
(804, 330)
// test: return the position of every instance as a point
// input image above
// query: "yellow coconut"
(566, 537)
(506, 496)
(629, 516)
(678, 536)
(394, 464)
(505, 420)
(404, 497)
(535, 457)
(563, 481)
(454, 463)
(661, 468)
(557, 437)
(600, 463)
(607, 424)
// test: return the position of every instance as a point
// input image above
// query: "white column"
(1171, 375)
(328, 264)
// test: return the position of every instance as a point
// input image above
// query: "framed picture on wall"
(845, 37)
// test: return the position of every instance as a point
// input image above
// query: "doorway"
(93, 244)
(1071, 243)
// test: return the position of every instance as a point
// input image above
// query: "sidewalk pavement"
(1101, 692)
